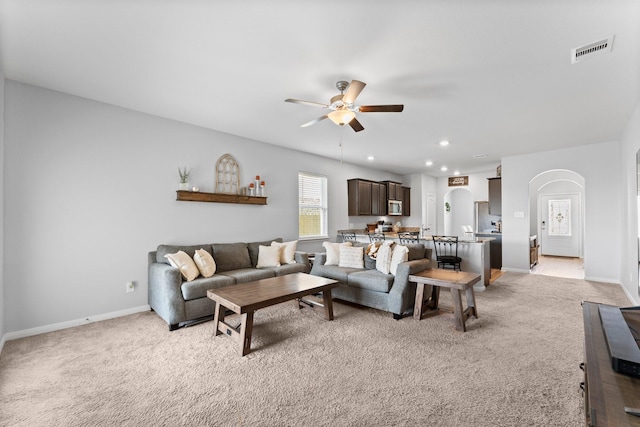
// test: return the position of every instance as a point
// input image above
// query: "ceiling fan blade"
(355, 125)
(381, 108)
(313, 104)
(354, 89)
(314, 121)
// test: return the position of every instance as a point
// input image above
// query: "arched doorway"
(556, 212)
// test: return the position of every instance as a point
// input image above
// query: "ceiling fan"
(343, 108)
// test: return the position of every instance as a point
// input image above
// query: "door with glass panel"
(560, 224)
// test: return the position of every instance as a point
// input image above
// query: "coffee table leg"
(457, 309)
(218, 316)
(471, 302)
(417, 308)
(246, 328)
(328, 304)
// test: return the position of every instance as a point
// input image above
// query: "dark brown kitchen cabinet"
(394, 190)
(359, 195)
(406, 201)
(378, 199)
(495, 196)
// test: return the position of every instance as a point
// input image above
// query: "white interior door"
(430, 220)
(560, 224)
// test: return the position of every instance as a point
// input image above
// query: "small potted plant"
(184, 178)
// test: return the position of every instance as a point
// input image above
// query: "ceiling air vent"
(592, 49)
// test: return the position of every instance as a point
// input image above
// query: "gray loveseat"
(372, 288)
(178, 301)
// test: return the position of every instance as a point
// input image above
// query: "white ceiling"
(492, 77)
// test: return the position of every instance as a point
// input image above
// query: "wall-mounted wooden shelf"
(198, 196)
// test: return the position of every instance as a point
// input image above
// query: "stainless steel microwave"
(395, 207)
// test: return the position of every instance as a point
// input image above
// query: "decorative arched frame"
(227, 175)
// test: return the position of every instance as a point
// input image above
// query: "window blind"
(312, 206)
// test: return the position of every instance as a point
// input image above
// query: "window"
(312, 206)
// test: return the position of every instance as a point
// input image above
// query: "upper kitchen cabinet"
(495, 196)
(359, 194)
(378, 198)
(406, 201)
(394, 190)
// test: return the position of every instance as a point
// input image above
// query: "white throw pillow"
(205, 263)
(288, 251)
(268, 256)
(383, 260)
(400, 254)
(351, 257)
(182, 261)
(333, 252)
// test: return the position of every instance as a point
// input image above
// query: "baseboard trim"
(603, 280)
(71, 323)
(515, 270)
(2, 341)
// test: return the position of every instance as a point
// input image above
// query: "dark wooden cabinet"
(359, 195)
(495, 249)
(370, 197)
(495, 196)
(378, 198)
(406, 201)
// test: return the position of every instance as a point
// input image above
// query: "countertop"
(393, 235)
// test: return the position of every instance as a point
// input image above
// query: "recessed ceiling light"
(456, 173)
(479, 156)
(443, 169)
(444, 142)
(429, 163)
(370, 158)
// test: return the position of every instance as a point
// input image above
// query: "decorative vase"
(184, 186)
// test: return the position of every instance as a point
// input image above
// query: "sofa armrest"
(165, 294)
(302, 258)
(320, 259)
(403, 293)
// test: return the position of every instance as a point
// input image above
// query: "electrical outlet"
(130, 287)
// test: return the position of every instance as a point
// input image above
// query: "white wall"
(90, 189)
(630, 144)
(2, 299)
(599, 165)
(478, 186)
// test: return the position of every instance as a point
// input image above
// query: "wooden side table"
(457, 281)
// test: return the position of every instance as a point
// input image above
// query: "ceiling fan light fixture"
(341, 117)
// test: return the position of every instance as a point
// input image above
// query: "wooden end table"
(246, 298)
(457, 281)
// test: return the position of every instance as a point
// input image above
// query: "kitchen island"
(475, 253)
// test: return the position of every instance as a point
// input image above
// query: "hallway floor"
(572, 268)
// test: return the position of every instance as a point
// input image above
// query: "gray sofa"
(372, 288)
(178, 301)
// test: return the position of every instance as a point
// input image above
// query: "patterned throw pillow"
(383, 260)
(351, 257)
(183, 262)
(205, 263)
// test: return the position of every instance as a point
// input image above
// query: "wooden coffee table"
(457, 281)
(246, 298)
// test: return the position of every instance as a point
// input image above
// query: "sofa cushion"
(231, 256)
(399, 255)
(171, 249)
(351, 256)
(369, 263)
(416, 251)
(244, 275)
(372, 280)
(333, 252)
(287, 256)
(254, 249)
(290, 268)
(198, 288)
(269, 256)
(383, 260)
(205, 263)
(184, 263)
(334, 272)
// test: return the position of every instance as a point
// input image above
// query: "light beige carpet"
(517, 365)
